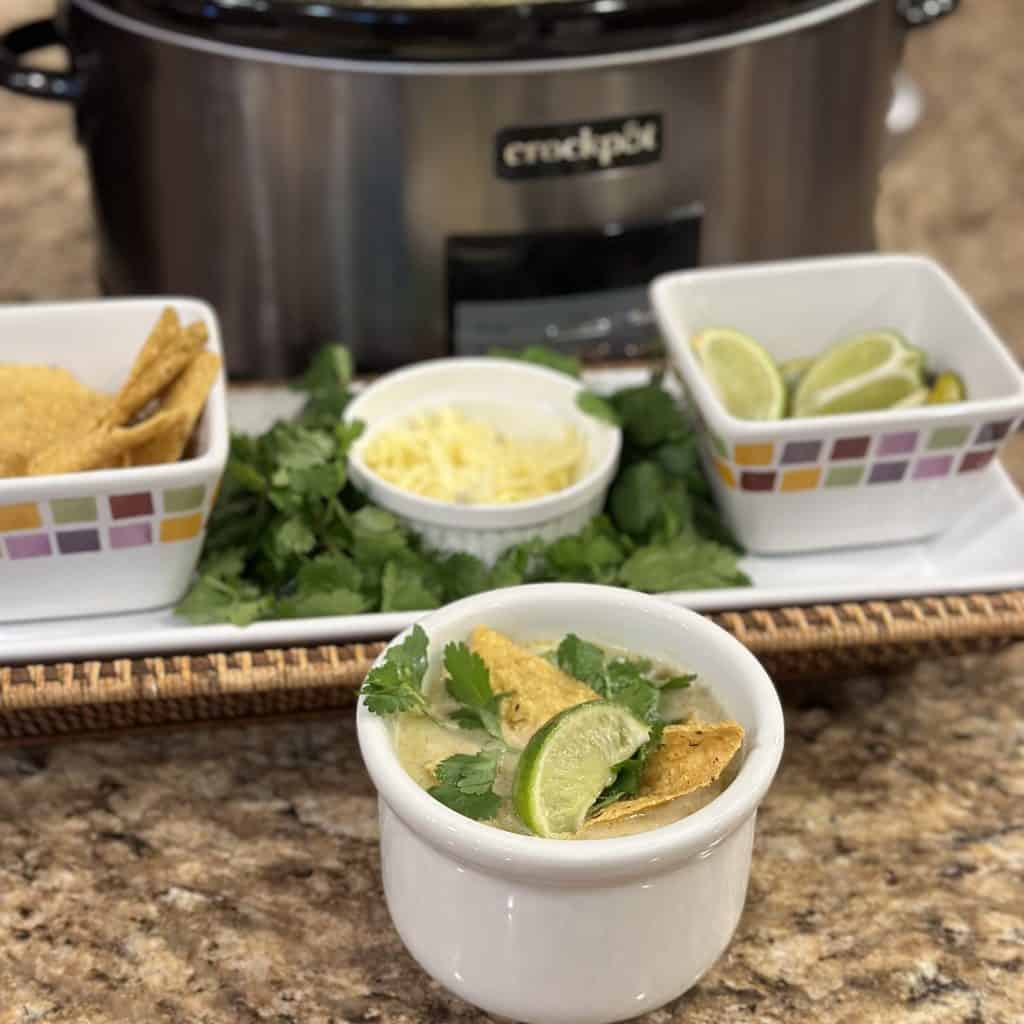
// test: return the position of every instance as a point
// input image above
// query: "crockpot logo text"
(549, 150)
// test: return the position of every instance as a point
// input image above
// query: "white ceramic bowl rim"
(926, 415)
(161, 475)
(582, 861)
(483, 516)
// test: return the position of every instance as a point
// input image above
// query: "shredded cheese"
(447, 455)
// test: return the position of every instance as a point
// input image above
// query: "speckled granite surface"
(231, 876)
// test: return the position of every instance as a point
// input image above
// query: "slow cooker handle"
(918, 13)
(44, 85)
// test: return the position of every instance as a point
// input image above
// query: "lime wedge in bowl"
(873, 370)
(569, 761)
(741, 373)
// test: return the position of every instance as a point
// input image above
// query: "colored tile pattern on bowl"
(884, 459)
(85, 525)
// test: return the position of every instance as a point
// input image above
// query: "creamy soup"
(684, 708)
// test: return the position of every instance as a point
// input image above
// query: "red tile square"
(125, 506)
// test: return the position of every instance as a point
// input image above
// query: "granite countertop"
(230, 875)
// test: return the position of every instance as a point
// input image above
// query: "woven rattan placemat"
(88, 698)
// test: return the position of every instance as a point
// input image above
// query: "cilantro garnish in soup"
(566, 740)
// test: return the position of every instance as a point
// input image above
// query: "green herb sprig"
(290, 537)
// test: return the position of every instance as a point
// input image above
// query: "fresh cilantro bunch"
(630, 682)
(465, 782)
(290, 537)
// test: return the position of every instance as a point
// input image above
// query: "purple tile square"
(933, 466)
(992, 432)
(801, 451)
(850, 448)
(32, 545)
(133, 535)
(902, 443)
(976, 460)
(74, 542)
(887, 472)
(124, 506)
(757, 481)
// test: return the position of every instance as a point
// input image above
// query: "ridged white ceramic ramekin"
(510, 395)
(549, 931)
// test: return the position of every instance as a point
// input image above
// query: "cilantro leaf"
(649, 415)
(465, 783)
(541, 355)
(686, 563)
(583, 661)
(469, 683)
(677, 682)
(396, 684)
(636, 497)
(407, 587)
(629, 774)
(215, 600)
(598, 407)
(628, 685)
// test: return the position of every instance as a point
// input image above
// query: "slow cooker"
(438, 178)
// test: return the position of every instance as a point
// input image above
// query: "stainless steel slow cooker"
(421, 180)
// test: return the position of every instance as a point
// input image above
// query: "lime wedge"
(567, 763)
(948, 387)
(874, 370)
(913, 400)
(742, 374)
(920, 357)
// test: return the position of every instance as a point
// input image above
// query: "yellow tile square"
(726, 473)
(20, 517)
(800, 479)
(180, 527)
(754, 454)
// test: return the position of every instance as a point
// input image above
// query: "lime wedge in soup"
(569, 761)
(742, 374)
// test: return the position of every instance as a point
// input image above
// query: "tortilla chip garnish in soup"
(186, 395)
(103, 446)
(691, 756)
(536, 689)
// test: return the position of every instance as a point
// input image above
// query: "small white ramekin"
(108, 540)
(896, 475)
(518, 391)
(588, 931)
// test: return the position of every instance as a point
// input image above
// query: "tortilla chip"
(537, 689)
(690, 757)
(166, 357)
(164, 331)
(187, 395)
(41, 406)
(103, 446)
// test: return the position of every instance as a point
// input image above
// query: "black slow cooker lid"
(461, 31)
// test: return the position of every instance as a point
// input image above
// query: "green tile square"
(719, 446)
(184, 499)
(844, 476)
(74, 510)
(948, 437)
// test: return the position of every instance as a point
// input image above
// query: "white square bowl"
(111, 540)
(796, 485)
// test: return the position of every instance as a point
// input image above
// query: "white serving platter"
(983, 552)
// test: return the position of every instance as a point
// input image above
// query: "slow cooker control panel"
(583, 291)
